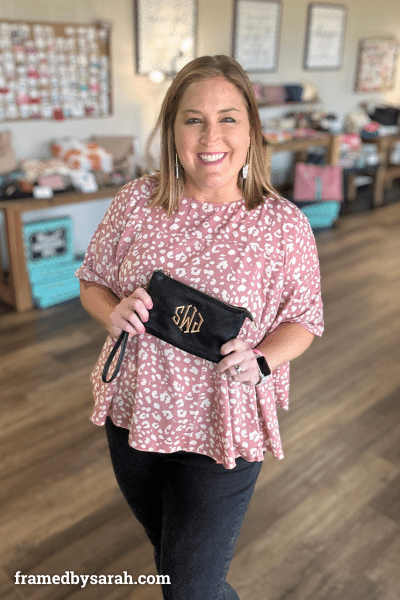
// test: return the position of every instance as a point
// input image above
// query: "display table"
(15, 289)
(385, 171)
(301, 145)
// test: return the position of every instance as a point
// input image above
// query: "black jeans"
(192, 510)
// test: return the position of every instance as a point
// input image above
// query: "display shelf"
(385, 172)
(15, 288)
(300, 146)
(309, 103)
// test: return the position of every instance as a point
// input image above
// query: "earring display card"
(54, 71)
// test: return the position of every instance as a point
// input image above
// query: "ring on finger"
(238, 369)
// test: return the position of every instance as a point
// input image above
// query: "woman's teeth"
(211, 157)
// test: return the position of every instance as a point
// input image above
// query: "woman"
(187, 437)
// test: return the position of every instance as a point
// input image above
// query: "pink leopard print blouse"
(264, 259)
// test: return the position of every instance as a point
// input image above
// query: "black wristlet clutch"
(186, 318)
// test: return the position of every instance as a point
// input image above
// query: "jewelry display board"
(325, 36)
(376, 68)
(54, 70)
(256, 31)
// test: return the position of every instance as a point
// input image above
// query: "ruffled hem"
(251, 454)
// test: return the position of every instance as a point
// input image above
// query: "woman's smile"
(212, 158)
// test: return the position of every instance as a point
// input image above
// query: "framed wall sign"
(376, 68)
(165, 35)
(256, 31)
(326, 26)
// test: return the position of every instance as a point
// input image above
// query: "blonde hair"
(169, 188)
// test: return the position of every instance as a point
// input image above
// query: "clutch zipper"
(253, 323)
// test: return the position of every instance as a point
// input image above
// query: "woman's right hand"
(130, 314)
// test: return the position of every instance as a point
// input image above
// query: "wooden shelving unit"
(300, 146)
(15, 290)
(385, 172)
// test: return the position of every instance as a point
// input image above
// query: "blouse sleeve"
(301, 300)
(102, 259)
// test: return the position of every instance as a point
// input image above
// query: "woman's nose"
(210, 132)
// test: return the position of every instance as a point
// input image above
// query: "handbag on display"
(317, 183)
(186, 318)
(273, 94)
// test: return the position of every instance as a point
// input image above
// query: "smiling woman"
(228, 95)
(187, 436)
(212, 138)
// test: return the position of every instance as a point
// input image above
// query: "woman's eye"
(228, 120)
(193, 120)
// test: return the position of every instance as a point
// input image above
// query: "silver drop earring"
(176, 166)
(245, 170)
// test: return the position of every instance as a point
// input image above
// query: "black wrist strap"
(121, 341)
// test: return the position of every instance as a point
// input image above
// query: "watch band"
(263, 367)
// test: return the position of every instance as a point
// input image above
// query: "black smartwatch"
(263, 367)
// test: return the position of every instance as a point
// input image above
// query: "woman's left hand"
(240, 362)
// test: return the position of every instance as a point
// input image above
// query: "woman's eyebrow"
(199, 112)
(224, 110)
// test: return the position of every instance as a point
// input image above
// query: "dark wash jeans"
(192, 510)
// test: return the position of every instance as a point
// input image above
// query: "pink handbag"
(316, 182)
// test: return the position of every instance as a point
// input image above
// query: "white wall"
(365, 18)
(136, 100)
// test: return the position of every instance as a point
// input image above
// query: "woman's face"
(212, 136)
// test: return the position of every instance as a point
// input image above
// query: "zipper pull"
(254, 325)
(167, 273)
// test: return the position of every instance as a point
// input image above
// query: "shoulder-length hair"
(169, 188)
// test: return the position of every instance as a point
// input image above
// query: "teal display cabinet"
(51, 260)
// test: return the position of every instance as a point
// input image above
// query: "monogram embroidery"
(185, 318)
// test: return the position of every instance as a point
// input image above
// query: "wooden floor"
(324, 524)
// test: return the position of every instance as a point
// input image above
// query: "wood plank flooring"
(324, 523)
